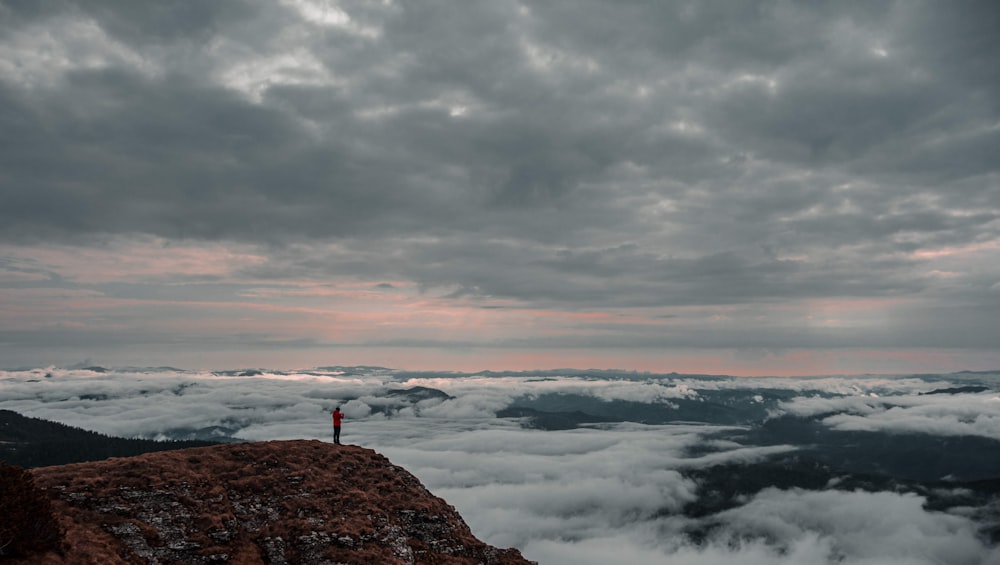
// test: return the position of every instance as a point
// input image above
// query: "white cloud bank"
(937, 414)
(611, 493)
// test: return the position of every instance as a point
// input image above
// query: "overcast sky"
(719, 187)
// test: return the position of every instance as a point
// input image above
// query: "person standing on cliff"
(337, 417)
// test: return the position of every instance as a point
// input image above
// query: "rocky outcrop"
(269, 502)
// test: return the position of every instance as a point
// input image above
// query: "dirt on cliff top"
(272, 502)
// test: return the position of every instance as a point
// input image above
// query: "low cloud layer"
(964, 415)
(615, 490)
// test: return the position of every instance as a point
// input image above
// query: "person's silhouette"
(338, 416)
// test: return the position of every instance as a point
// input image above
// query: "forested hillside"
(33, 442)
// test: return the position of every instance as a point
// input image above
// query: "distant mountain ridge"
(279, 502)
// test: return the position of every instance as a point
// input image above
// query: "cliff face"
(268, 502)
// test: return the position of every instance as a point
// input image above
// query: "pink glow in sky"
(199, 298)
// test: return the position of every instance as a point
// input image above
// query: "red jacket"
(337, 417)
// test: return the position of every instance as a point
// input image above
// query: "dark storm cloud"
(584, 154)
(179, 159)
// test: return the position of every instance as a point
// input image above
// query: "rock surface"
(280, 502)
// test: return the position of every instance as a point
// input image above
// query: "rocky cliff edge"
(279, 502)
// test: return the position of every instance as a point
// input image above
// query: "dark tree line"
(33, 442)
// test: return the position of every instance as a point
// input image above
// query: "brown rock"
(279, 502)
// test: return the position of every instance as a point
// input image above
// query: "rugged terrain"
(269, 502)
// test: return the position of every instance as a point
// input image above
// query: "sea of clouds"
(608, 492)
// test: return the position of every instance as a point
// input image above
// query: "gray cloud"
(822, 527)
(577, 157)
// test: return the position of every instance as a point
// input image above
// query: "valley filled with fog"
(615, 467)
